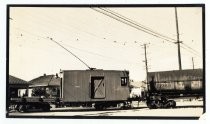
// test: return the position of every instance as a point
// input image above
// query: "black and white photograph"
(106, 61)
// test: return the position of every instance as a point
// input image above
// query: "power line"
(190, 47)
(192, 52)
(148, 31)
(119, 41)
(63, 27)
(129, 24)
(86, 51)
(136, 25)
(142, 26)
(139, 25)
(65, 49)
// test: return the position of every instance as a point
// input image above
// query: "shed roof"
(46, 80)
(15, 80)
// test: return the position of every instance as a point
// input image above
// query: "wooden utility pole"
(193, 63)
(178, 41)
(146, 66)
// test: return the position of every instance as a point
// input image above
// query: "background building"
(17, 87)
(45, 86)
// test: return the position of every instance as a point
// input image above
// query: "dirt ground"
(183, 109)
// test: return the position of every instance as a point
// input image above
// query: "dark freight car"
(177, 82)
(103, 88)
(171, 84)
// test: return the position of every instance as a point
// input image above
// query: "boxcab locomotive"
(103, 88)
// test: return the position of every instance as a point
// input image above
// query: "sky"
(100, 41)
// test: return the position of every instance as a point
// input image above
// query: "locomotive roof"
(99, 70)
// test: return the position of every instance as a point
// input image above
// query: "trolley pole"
(178, 41)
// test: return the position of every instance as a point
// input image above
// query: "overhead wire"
(191, 51)
(144, 27)
(49, 21)
(69, 28)
(118, 41)
(128, 21)
(194, 52)
(190, 47)
(50, 38)
(135, 23)
(147, 29)
(131, 21)
(86, 51)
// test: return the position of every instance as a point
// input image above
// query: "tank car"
(171, 84)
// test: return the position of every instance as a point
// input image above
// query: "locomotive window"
(124, 81)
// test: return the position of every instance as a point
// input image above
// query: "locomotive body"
(101, 87)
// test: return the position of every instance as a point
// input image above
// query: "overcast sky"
(100, 41)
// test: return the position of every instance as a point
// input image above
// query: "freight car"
(172, 84)
(98, 88)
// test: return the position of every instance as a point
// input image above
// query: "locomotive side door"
(97, 87)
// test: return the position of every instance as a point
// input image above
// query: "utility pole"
(193, 63)
(178, 42)
(145, 55)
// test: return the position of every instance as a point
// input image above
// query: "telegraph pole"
(178, 41)
(145, 55)
(193, 63)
